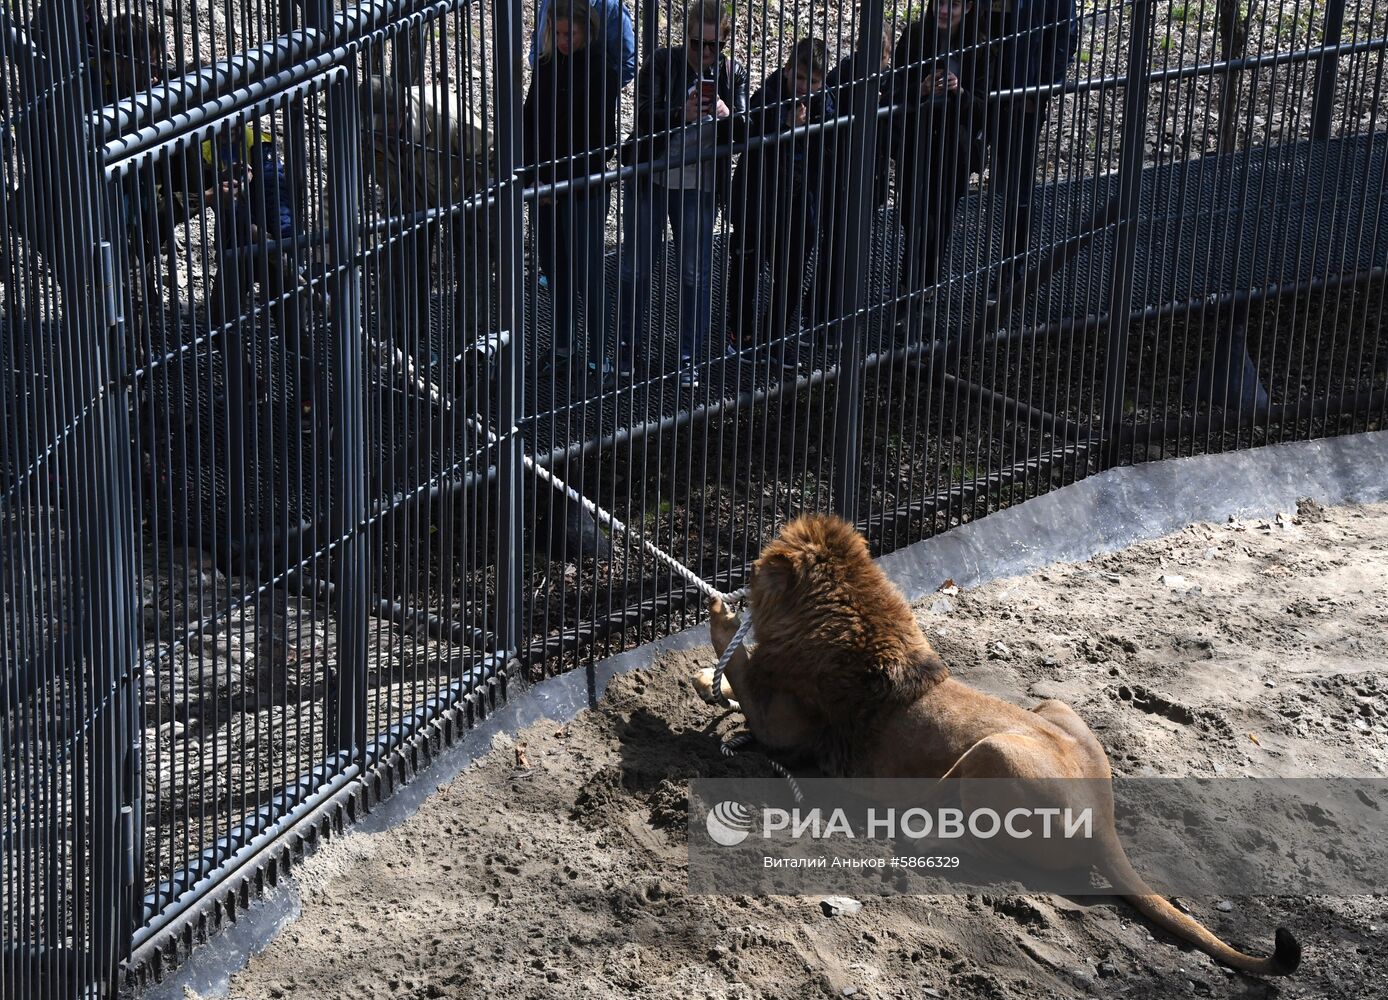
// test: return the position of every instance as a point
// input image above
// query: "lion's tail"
(1286, 955)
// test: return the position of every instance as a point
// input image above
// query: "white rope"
(716, 695)
(735, 743)
(680, 568)
(730, 746)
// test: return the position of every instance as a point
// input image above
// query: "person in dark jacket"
(570, 125)
(254, 208)
(777, 201)
(845, 84)
(686, 97)
(1033, 42)
(941, 90)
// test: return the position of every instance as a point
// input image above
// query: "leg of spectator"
(703, 219)
(552, 252)
(589, 248)
(744, 265)
(1014, 177)
(642, 223)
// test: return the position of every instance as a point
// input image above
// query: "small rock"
(1218, 767)
(1113, 578)
(928, 991)
(1049, 661)
(839, 906)
(1174, 581)
(941, 606)
(1211, 553)
(1271, 684)
(1224, 906)
(850, 991)
(1108, 969)
(171, 729)
(999, 651)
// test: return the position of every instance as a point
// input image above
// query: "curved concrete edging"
(1105, 512)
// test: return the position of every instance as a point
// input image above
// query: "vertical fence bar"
(346, 407)
(853, 218)
(1327, 64)
(510, 63)
(1131, 153)
(95, 672)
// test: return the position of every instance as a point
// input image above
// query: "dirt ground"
(555, 867)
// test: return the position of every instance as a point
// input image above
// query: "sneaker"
(689, 375)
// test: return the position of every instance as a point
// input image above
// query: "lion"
(842, 676)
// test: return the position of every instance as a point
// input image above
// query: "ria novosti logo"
(729, 823)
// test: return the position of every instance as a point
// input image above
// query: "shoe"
(689, 375)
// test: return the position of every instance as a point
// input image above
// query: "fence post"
(853, 221)
(1131, 154)
(96, 669)
(1326, 66)
(348, 451)
(649, 23)
(511, 317)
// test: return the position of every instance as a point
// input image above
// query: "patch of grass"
(1180, 13)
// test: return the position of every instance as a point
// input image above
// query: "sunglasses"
(699, 43)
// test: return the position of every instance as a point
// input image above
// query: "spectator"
(777, 192)
(618, 41)
(845, 84)
(941, 87)
(1034, 40)
(682, 95)
(424, 149)
(570, 124)
(254, 209)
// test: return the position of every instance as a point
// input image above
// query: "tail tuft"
(1287, 955)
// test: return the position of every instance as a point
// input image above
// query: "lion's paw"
(703, 686)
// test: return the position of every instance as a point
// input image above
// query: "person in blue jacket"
(1034, 43)
(254, 207)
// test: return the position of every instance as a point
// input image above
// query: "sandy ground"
(562, 873)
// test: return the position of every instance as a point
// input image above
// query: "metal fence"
(318, 317)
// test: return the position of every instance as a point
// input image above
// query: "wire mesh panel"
(912, 264)
(229, 289)
(64, 554)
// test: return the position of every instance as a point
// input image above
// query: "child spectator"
(254, 208)
(942, 88)
(569, 127)
(777, 194)
(682, 94)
